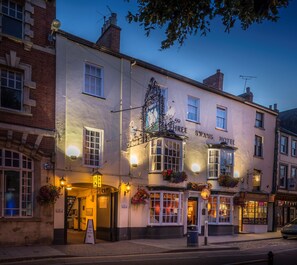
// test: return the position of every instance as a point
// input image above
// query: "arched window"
(16, 184)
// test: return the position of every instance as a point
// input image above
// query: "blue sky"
(267, 51)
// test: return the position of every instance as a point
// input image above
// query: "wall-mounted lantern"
(133, 161)
(97, 179)
(62, 182)
(73, 152)
(195, 168)
(127, 188)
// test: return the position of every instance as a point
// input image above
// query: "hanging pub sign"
(205, 193)
(97, 181)
(153, 108)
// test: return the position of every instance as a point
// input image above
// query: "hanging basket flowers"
(174, 177)
(140, 197)
(48, 194)
(228, 181)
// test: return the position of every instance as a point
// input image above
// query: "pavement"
(128, 247)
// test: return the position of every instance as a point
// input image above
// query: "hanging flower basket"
(140, 197)
(174, 177)
(228, 181)
(48, 194)
(198, 186)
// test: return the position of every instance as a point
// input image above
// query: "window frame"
(294, 147)
(255, 174)
(224, 110)
(24, 167)
(259, 123)
(219, 166)
(292, 178)
(284, 146)
(11, 17)
(258, 146)
(101, 80)
(163, 204)
(158, 155)
(196, 107)
(217, 219)
(86, 155)
(285, 176)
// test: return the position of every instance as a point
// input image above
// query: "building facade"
(27, 119)
(286, 185)
(146, 152)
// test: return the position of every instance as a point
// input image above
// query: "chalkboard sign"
(90, 233)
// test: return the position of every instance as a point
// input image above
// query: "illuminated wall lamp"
(73, 152)
(133, 161)
(62, 182)
(127, 189)
(195, 168)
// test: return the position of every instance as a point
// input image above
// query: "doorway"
(192, 213)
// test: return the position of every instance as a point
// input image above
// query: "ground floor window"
(255, 212)
(220, 209)
(165, 208)
(16, 184)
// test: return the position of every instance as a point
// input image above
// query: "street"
(285, 252)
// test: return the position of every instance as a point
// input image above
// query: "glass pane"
(11, 193)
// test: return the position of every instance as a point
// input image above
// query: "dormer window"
(12, 18)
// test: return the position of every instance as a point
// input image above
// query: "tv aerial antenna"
(246, 78)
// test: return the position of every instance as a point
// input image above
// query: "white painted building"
(133, 123)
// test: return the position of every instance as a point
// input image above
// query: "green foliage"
(188, 17)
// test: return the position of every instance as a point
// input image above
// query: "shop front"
(285, 208)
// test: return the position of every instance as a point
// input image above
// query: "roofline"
(163, 71)
(284, 130)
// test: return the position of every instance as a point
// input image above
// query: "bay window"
(166, 154)
(165, 208)
(220, 209)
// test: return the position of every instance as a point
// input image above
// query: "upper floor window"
(256, 180)
(220, 209)
(16, 189)
(294, 147)
(166, 154)
(93, 147)
(220, 162)
(292, 181)
(164, 93)
(12, 18)
(93, 80)
(193, 109)
(259, 120)
(283, 174)
(165, 208)
(284, 144)
(11, 93)
(221, 118)
(258, 148)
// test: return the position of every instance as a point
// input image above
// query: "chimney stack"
(248, 95)
(110, 34)
(215, 81)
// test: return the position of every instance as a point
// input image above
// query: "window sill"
(192, 121)
(221, 129)
(260, 128)
(285, 154)
(20, 219)
(16, 112)
(84, 93)
(260, 157)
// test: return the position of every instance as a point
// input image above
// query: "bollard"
(205, 232)
(270, 258)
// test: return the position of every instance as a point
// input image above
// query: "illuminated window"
(259, 120)
(294, 148)
(258, 148)
(255, 212)
(221, 118)
(16, 176)
(93, 147)
(193, 109)
(220, 209)
(11, 96)
(165, 208)
(284, 144)
(257, 180)
(93, 80)
(166, 154)
(283, 174)
(220, 162)
(12, 18)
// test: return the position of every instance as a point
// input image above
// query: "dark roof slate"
(288, 120)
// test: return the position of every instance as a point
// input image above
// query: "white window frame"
(218, 163)
(13, 14)
(159, 159)
(195, 107)
(283, 173)
(259, 123)
(12, 84)
(87, 155)
(284, 144)
(221, 118)
(24, 166)
(218, 218)
(165, 218)
(294, 147)
(93, 77)
(258, 146)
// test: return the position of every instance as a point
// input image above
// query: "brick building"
(27, 119)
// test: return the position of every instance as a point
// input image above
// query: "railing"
(269, 260)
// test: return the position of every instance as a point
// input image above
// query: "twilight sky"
(267, 51)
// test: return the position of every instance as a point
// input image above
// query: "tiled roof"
(288, 120)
